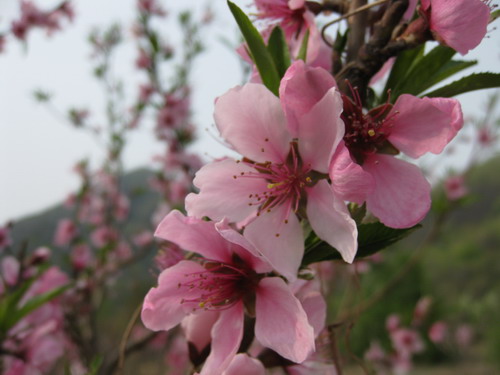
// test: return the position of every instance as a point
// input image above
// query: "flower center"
(286, 182)
(220, 285)
(367, 133)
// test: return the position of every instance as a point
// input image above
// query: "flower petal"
(331, 221)
(197, 328)
(194, 235)
(320, 130)
(162, 308)
(461, 24)
(226, 339)
(282, 244)
(315, 307)
(243, 248)
(401, 197)
(301, 89)
(223, 192)
(424, 125)
(250, 118)
(242, 364)
(281, 323)
(349, 181)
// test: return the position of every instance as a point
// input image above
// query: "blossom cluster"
(310, 153)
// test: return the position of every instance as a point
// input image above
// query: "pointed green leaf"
(278, 48)
(372, 238)
(450, 68)
(33, 304)
(422, 74)
(303, 47)
(404, 62)
(476, 81)
(259, 53)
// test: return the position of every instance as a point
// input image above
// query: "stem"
(125, 337)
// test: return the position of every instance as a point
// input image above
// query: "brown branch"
(357, 29)
(376, 51)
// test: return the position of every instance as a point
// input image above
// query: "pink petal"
(281, 323)
(282, 244)
(197, 328)
(242, 364)
(226, 339)
(296, 4)
(221, 194)
(315, 307)
(424, 125)
(243, 248)
(320, 130)
(331, 221)
(349, 181)
(162, 308)
(250, 118)
(401, 197)
(461, 24)
(194, 235)
(10, 270)
(301, 89)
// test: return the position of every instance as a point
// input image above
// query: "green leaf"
(260, 55)
(372, 238)
(33, 304)
(450, 68)
(278, 48)
(95, 365)
(476, 81)
(421, 76)
(404, 62)
(494, 15)
(303, 47)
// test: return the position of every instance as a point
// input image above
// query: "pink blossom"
(459, 24)
(421, 310)
(282, 177)
(437, 332)
(10, 270)
(486, 136)
(393, 322)
(455, 188)
(226, 280)
(242, 364)
(143, 239)
(152, 7)
(81, 257)
(406, 342)
(143, 61)
(103, 236)
(395, 191)
(177, 357)
(295, 19)
(464, 335)
(168, 256)
(65, 233)
(375, 352)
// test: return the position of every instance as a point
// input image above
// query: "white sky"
(37, 151)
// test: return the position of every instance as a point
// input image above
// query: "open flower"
(283, 177)
(399, 194)
(460, 24)
(229, 279)
(295, 19)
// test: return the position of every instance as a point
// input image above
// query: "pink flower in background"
(437, 332)
(230, 277)
(459, 24)
(406, 342)
(104, 235)
(295, 20)
(283, 175)
(464, 335)
(421, 310)
(10, 270)
(65, 233)
(81, 257)
(395, 191)
(455, 188)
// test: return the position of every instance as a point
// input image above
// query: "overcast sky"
(37, 151)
